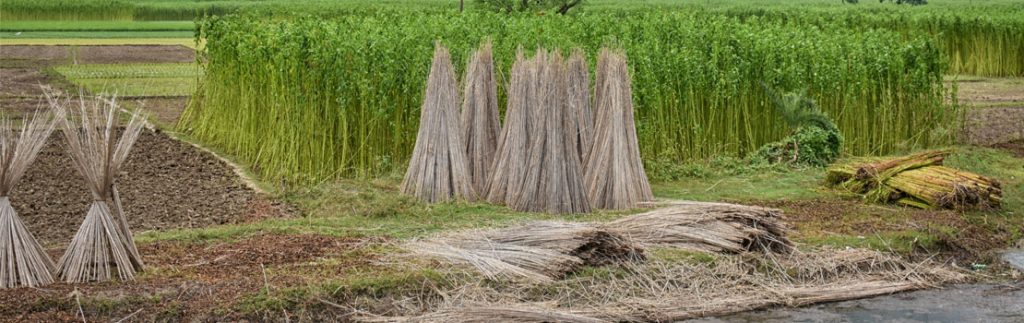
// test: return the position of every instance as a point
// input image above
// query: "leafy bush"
(816, 140)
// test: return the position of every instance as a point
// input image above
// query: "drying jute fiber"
(104, 240)
(23, 262)
(480, 123)
(615, 176)
(438, 170)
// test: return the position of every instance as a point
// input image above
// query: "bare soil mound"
(166, 184)
(118, 54)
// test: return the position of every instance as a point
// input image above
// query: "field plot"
(270, 187)
(134, 80)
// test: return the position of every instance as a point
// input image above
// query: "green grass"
(797, 184)
(100, 25)
(15, 35)
(134, 80)
(351, 208)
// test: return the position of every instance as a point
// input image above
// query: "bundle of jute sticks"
(104, 242)
(918, 180)
(553, 154)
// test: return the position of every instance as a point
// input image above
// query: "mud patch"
(165, 184)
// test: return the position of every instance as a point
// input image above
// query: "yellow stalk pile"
(919, 181)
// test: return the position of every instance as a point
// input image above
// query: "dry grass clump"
(615, 176)
(710, 227)
(104, 239)
(438, 170)
(480, 123)
(23, 262)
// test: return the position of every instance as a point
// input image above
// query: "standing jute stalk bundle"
(615, 176)
(480, 123)
(104, 239)
(554, 173)
(23, 262)
(509, 166)
(581, 125)
(438, 170)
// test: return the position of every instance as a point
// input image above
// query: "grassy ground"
(374, 210)
(820, 216)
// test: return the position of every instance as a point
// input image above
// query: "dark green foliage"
(508, 6)
(816, 140)
(308, 99)
(809, 145)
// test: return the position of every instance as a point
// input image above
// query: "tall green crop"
(307, 99)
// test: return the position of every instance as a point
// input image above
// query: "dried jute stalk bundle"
(581, 121)
(23, 262)
(509, 166)
(554, 173)
(615, 176)
(103, 246)
(480, 123)
(438, 170)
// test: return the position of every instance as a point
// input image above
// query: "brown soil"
(990, 91)
(165, 184)
(52, 55)
(187, 282)
(993, 125)
(164, 111)
(995, 110)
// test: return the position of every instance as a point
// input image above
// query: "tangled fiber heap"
(708, 227)
(538, 251)
(615, 176)
(660, 288)
(480, 124)
(23, 262)
(919, 181)
(104, 239)
(546, 250)
(438, 170)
